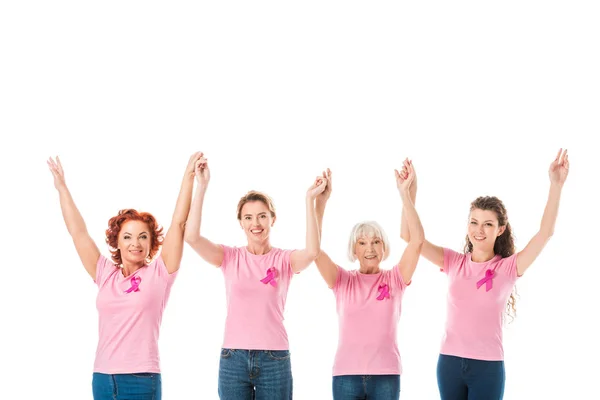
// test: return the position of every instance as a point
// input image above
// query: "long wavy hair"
(504, 245)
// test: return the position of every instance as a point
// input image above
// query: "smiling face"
(256, 221)
(483, 229)
(134, 242)
(369, 250)
(369, 245)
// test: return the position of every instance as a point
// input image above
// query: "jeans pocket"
(278, 354)
(226, 353)
(143, 375)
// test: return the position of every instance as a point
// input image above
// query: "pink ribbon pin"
(489, 274)
(270, 278)
(384, 292)
(135, 284)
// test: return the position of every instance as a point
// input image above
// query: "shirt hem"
(378, 372)
(472, 356)
(127, 371)
(254, 347)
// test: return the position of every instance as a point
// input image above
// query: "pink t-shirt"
(368, 307)
(477, 297)
(130, 311)
(256, 289)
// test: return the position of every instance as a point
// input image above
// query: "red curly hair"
(129, 214)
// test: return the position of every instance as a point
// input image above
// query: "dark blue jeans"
(255, 375)
(142, 386)
(366, 387)
(467, 379)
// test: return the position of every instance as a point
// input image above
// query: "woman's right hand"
(202, 171)
(316, 188)
(406, 178)
(57, 171)
(324, 196)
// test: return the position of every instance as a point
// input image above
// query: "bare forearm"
(551, 211)
(413, 222)
(312, 229)
(320, 211)
(184, 200)
(404, 229)
(192, 230)
(73, 219)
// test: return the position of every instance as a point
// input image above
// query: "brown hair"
(504, 244)
(253, 195)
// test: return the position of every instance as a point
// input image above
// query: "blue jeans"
(467, 379)
(138, 386)
(255, 375)
(366, 387)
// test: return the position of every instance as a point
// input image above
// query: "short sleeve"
(162, 271)
(397, 279)
(508, 266)
(228, 255)
(104, 267)
(286, 258)
(451, 260)
(342, 279)
(286, 261)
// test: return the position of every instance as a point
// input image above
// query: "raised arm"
(410, 256)
(210, 252)
(172, 248)
(431, 252)
(86, 248)
(301, 259)
(326, 267)
(559, 169)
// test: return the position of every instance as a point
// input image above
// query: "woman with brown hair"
(481, 282)
(255, 357)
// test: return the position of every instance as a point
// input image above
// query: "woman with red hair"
(133, 288)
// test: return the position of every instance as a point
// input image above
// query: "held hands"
(406, 179)
(559, 169)
(191, 165)
(318, 188)
(324, 196)
(201, 171)
(57, 171)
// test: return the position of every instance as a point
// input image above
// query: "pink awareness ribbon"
(384, 292)
(135, 284)
(270, 278)
(489, 274)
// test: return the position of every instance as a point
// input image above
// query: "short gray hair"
(367, 228)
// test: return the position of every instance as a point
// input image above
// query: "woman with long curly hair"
(481, 290)
(133, 288)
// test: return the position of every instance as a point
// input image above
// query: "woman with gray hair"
(367, 363)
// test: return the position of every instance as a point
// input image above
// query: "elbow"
(417, 240)
(313, 253)
(190, 237)
(418, 237)
(319, 257)
(405, 237)
(546, 233)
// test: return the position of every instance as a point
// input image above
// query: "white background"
(479, 94)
